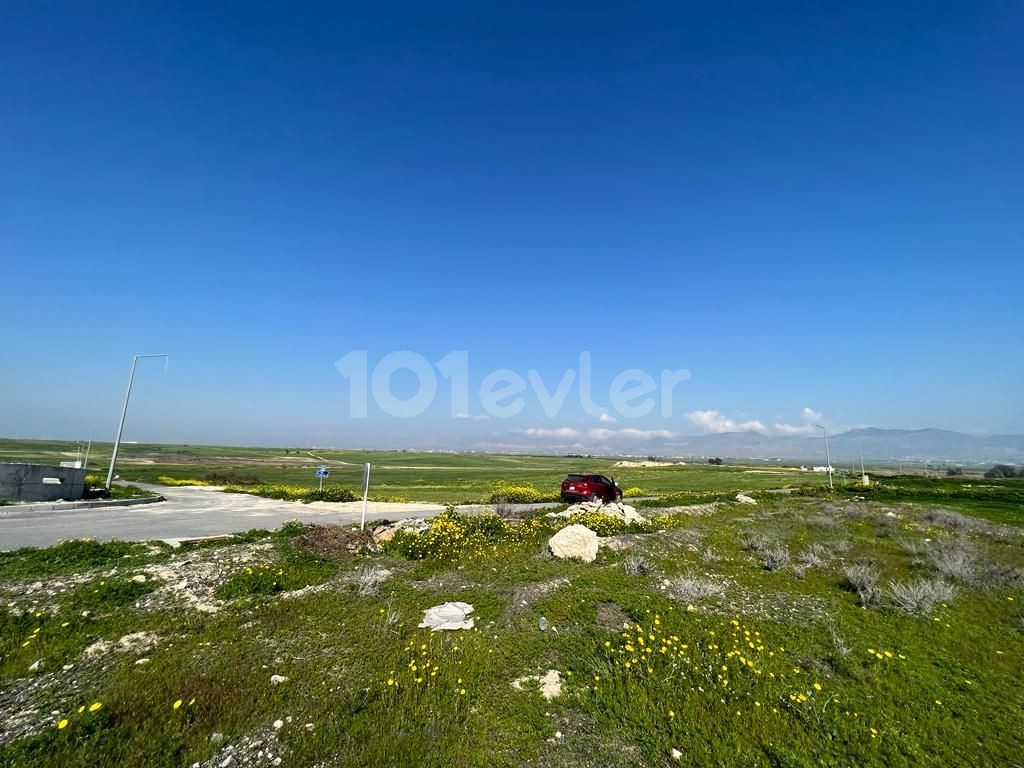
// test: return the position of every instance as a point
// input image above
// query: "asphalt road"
(190, 513)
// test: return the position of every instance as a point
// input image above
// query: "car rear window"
(576, 478)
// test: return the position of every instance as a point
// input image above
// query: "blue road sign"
(322, 472)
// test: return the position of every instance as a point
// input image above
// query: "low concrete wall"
(38, 482)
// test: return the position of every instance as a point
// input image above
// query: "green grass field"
(417, 476)
(869, 627)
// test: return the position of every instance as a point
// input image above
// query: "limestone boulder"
(574, 542)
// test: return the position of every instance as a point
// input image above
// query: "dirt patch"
(581, 745)
(260, 749)
(334, 540)
(732, 599)
(675, 537)
(31, 596)
(448, 581)
(137, 641)
(619, 543)
(611, 616)
(693, 510)
(526, 595)
(31, 705)
(189, 580)
(550, 684)
(649, 464)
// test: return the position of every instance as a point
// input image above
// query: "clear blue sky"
(806, 205)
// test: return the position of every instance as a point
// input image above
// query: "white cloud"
(811, 415)
(713, 421)
(557, 432)
(478, 417)
(631, 433)
(606, 419)
(808, 416)
(790, 429)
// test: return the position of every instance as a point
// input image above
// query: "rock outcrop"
(622, 512)
(575, 541)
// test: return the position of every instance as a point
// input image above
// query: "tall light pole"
(863, 474)
(124, 412)
(88, 448)
(828, 460)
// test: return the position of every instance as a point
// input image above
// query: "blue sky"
(810, 207)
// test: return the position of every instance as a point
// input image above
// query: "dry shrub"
(753, 542)
(919, 597)
(504, 509)
(370, 578)
(954, 521)
(963, 561)
(814, 556)
(635, 565)
(916, 548)
(993, 575)
(955, 559)
(334, 540)
(862, 578)
(854, 512)
(822, 522)
(689, 586)
(842, 648)
(774, 558)
(840, 546)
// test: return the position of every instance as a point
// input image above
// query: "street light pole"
(863, 474)
(828, 460)
(124, 412)
(88, 448)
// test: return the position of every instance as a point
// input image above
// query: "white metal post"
(124, 412)
(863, 474)
(87, 449)
(366, 491)
(828, 460)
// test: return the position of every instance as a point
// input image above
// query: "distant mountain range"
(889, 445)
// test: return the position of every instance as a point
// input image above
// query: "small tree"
(1000, 471)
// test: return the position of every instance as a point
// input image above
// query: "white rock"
(278, 725)
(35, 665)
(278, 679)
(140, 662)
(575, 541)
(676, 754)
(139, 578)
(448, 616)
(742, 498)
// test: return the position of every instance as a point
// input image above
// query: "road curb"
(65, 506)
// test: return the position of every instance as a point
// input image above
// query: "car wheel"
(618, 496)
(595, 498)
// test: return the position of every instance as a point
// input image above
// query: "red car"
(590, 488)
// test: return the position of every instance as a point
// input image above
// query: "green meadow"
(417, 476)
(869, 627)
